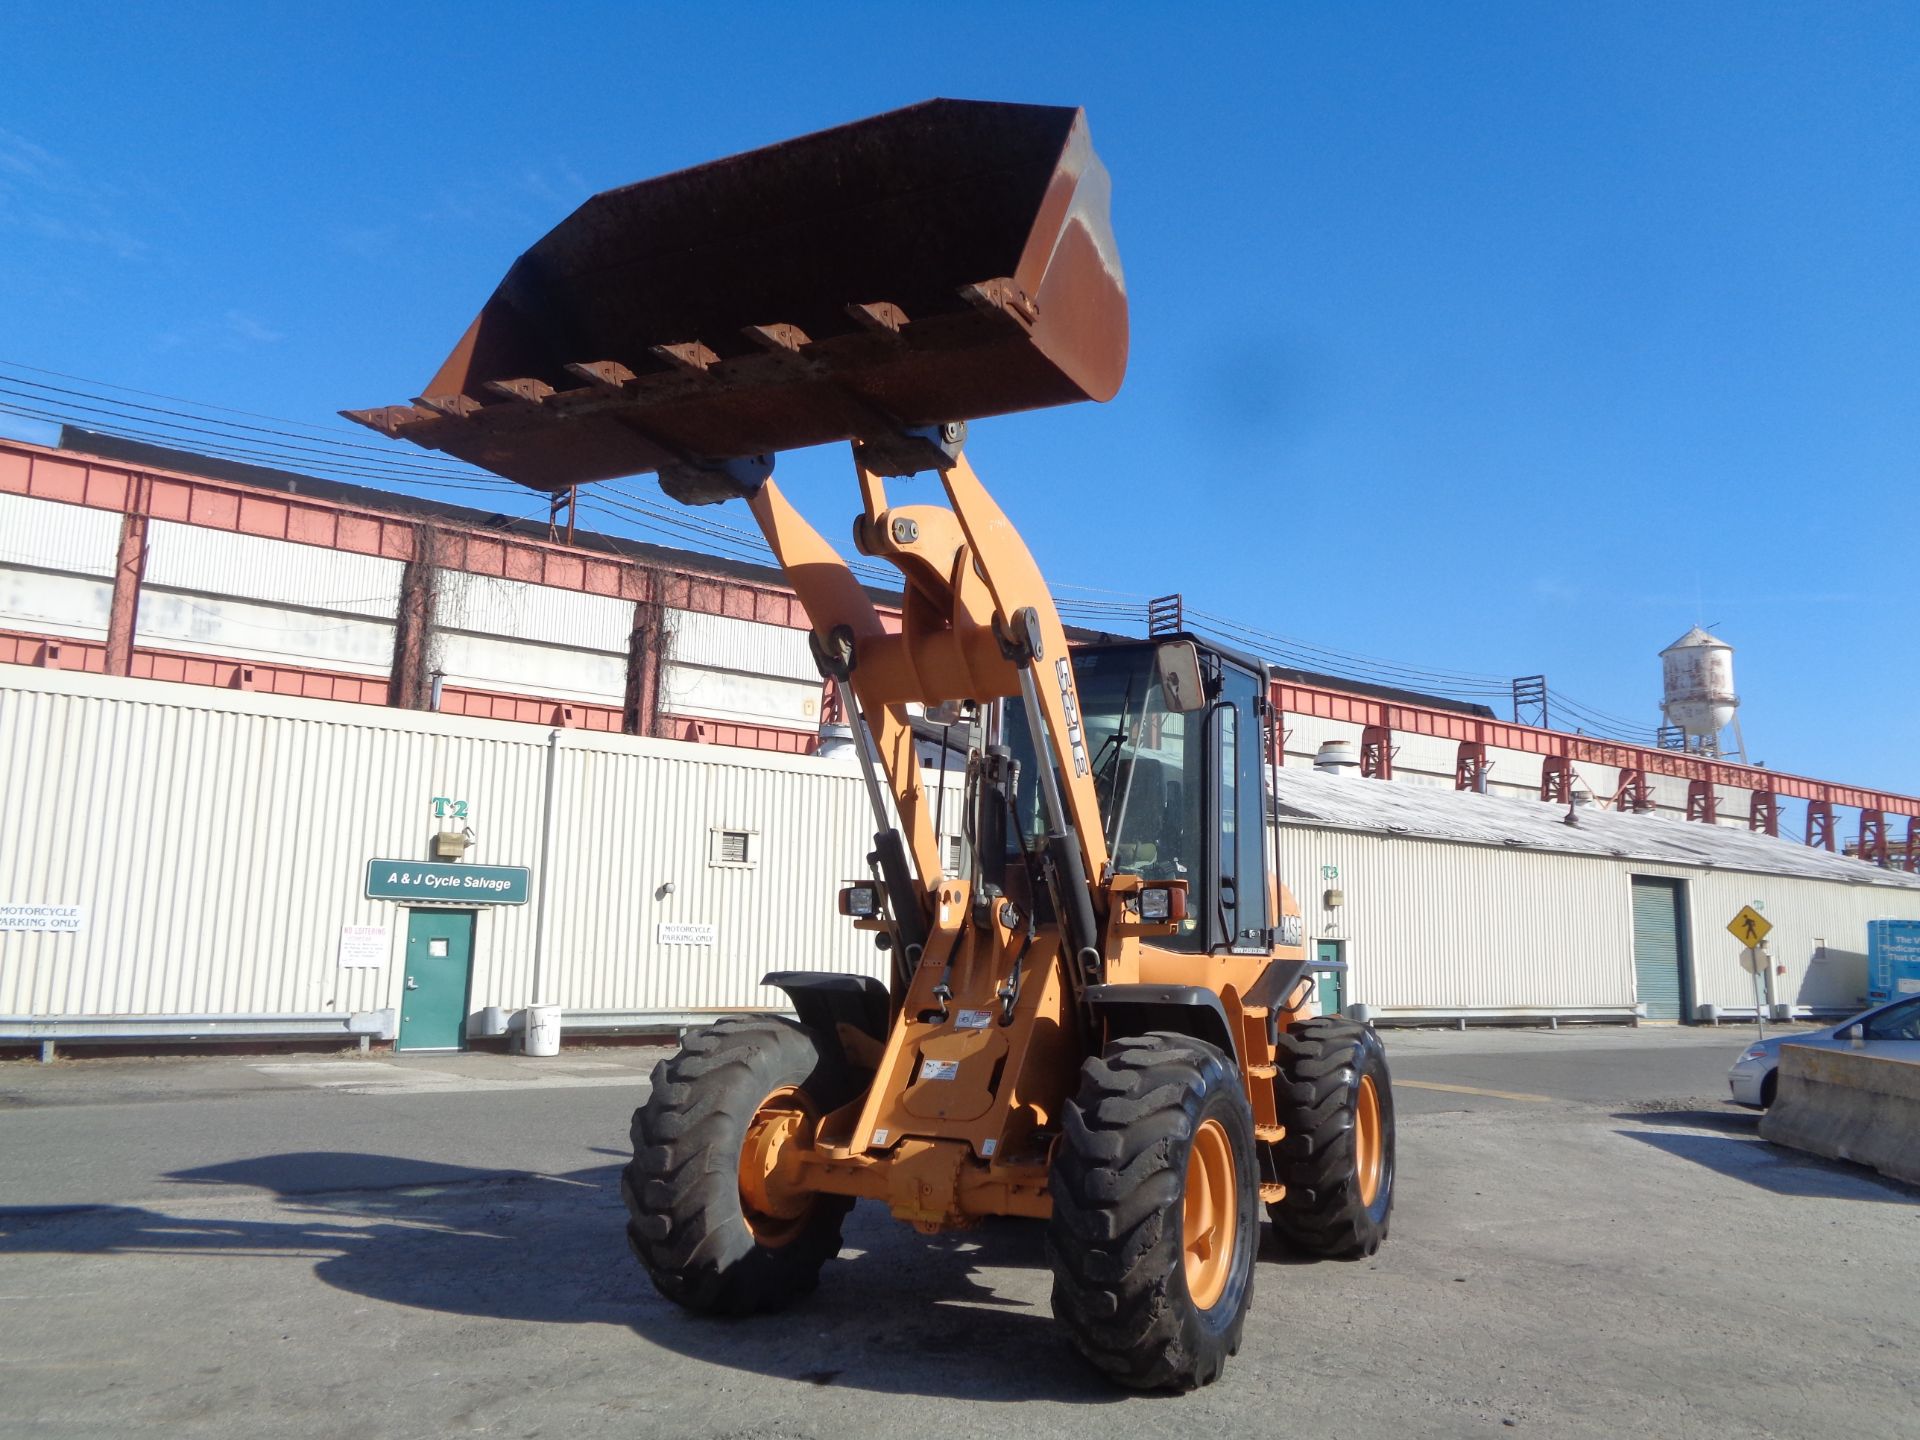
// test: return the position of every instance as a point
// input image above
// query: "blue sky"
(1485, 338)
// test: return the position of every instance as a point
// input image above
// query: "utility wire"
(309, 447)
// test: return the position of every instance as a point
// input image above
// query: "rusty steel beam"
(129, 569)
(1376, 753)
(49, 474)
(1470, 766)
(1327, 703)
(98, 484)
(1873, 837)
(1821, 833)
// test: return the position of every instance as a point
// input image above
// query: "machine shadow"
(1740, 1154)
(898, 1313)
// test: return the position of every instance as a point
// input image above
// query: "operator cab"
(1176, 737)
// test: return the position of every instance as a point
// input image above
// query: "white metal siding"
(271, 634)
(219, 840)
(1464, 928)
(70, 605)
(747, 699)
(627, 826)
(518, 610)
(278, 572)
(720, 642)
(522, 667)
(49, 535)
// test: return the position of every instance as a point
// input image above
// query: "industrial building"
(1456, 907)
(225, 694)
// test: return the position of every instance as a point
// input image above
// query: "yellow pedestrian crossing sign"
(1749, 927)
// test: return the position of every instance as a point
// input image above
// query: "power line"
(322, 449)
(122, 405)
(330, 427)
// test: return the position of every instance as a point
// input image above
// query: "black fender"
(825, 1000)
(1185, 1009)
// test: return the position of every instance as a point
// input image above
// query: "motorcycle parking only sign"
(47, 919)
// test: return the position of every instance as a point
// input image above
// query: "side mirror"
(1856, 1036)
(1179, 665)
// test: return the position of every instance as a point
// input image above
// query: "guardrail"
(51, 1031)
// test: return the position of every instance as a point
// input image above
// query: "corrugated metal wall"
(218, 842)
(1454, 928)
(634, 849)
(1464, 928)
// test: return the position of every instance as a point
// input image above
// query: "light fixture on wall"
(452, 844)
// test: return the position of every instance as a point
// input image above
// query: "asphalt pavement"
(1587, 1241)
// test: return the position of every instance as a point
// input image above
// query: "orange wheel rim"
(1369, 1142)
(773, 1204)
(1208, 1214)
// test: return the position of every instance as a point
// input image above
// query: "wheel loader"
(1101, 1018)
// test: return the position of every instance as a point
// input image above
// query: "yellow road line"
(1472, 1090)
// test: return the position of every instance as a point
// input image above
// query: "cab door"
(1240, 851)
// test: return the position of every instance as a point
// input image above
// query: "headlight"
(860, 901)
(1756, 1053)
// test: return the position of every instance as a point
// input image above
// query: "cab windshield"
(1146, 762)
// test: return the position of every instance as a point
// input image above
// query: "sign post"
(1751, 929)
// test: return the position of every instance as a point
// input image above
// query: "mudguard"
(1185, 1009)
(826, 1000)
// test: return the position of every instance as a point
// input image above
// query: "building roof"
(140, 452)
(1424, 812)
(1696, 639)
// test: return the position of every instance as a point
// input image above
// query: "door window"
(1243, 853)
(1897, 1022)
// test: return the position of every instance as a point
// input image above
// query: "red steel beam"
(99, 484)
(48, 474)
(1293, 698)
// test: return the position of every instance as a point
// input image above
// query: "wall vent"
(735, 847)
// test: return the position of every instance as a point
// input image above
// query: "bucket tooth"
(450, 407)
(521, 389)
(878, 317)
(690, 357)
(777, 337)
(605, 374)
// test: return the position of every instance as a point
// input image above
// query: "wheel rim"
(773, 1203)
(1369, 1143)
(1208, 1214)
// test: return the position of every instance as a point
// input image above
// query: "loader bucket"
(940, 263)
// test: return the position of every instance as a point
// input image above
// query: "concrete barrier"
(1849, 1106)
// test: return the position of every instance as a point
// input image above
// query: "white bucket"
(543, 1030)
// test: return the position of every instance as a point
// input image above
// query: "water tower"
(1699, 698)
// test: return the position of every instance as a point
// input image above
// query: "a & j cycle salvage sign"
(420, 881)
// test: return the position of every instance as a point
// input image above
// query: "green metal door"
(433, 1003)
(1333, 986)
(1657, 948)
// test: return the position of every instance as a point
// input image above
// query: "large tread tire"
(1119, 1182)
(1325, 1212)
(686, 1221)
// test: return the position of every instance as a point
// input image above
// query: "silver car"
(1892, 1030)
